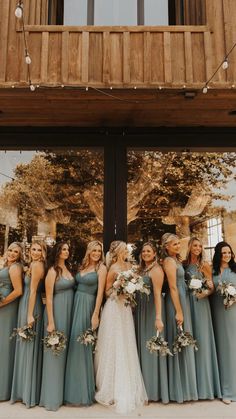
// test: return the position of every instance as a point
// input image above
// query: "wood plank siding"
(122, 57)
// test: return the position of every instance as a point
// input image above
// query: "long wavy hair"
(167, 238)
(21, 255)
(43, 257)
(217, 258)
(153, 246)
(86, 260)
(201, 257)
(54, 258)
(115, 248)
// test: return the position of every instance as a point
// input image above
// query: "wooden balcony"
(115, 56)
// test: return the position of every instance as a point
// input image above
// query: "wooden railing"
(118, 56)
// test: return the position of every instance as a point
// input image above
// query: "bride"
(118, 375)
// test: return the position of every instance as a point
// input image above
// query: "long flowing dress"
(52, 388)
(8, 321)
(181, 367)
(224, 322)
(80, 381)
(154, 367)
(118, 374)
(28, 357)
(207, 371)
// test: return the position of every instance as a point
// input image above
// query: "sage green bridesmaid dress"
(181, 367)
(207, 371)
(8, 321)
(28, 357)
(80, 382)
(224, 323)
(53, 374)
(154, 367)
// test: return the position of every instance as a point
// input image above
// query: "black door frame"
(115, 142)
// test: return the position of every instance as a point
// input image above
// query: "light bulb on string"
(205, 89)
(19, 11)
(28, 59)
(225, 64)
(32, 87)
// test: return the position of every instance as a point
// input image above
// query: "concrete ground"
(202, 409)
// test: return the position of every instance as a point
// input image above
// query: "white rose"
(130, 288)
(22, 335)
(231, 290)
(195, 284)
(138, 286)
(54, 340)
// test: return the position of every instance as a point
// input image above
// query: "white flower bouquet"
(158, 345)
(25, 333)
(55, 341)
(127, 284)
(197, 285)
(89, 337)
(228, 292)
(182, 340)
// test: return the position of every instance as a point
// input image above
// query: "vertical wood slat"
(106, 57)
(85, 57)
(38, 12)
(167, 58)
(147, 57)
(44, 12)
(126, 57)
(4, 39)
(229, 13)
(208, 54)
(44, 57)
(65, 57)
(188, 57)
(32, 12)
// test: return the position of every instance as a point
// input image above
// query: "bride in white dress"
(118, 375)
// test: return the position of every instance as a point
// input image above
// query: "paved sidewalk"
(203, 409)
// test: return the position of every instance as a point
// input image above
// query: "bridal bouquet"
(182, 340)
(127, 284)
(89, 337)
(158, 345)
(228, 292)
(55, 341)
(196, 285)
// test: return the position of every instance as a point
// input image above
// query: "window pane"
(113, 12)
(75, 12)
(156, 12)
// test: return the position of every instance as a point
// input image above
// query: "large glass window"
(75, 12)
(156, 12)
(113, 12)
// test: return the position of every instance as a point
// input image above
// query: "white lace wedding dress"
(118, 375)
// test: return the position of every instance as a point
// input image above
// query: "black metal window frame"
(176, 8)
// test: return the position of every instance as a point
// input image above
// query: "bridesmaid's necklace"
(149, 267)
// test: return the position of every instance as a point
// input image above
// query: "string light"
(28, 59)
(225, 64)
(19, 10)
(205, 89)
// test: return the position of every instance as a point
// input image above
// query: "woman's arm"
(157, 277)
(49, 288)
(102, 273)
(37, 272)
(170, 268)
(15, 273)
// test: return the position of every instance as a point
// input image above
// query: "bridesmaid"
(224, 321)
(149, 317)
(91, 279)
(208, 381)
(181, 367)
(59, 285)
(28, 356)
(10, 291)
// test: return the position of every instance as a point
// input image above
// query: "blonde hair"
(21, 256)
(167, 238)
(201, 257)
(114, 251)
(43, 249)
(86, 260)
